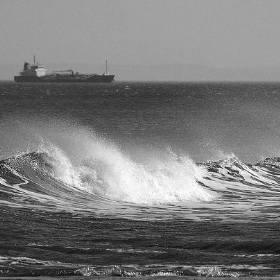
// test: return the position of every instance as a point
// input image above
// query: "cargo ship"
(38, 73)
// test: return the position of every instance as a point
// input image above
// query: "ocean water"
(140, 179)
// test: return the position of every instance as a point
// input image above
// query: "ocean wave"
(116, 177)
(111, 176)
(91, 174)
(234, 176)
(23, 266)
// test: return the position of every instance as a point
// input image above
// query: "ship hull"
(67, 79)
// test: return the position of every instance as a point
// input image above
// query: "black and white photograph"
(139, 139)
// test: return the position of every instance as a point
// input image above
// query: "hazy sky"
(218, 33)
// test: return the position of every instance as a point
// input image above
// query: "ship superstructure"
(37, 73)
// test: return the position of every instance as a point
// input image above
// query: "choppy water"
(136, 179)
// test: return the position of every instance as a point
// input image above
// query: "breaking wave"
(107, 173)
(84, 172)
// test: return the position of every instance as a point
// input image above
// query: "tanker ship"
(38, 74)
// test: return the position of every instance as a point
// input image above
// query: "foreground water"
(139, 179)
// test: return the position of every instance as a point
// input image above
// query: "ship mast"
(34, 60)
(106, 72)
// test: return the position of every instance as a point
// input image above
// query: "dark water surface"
(139, 179)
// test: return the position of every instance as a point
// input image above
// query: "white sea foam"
(107, 171)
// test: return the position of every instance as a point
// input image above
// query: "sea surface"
(140, 179)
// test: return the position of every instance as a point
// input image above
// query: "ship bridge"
(34, 70)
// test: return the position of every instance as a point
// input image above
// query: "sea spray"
(107, 171)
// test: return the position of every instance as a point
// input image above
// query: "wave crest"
(108, 173)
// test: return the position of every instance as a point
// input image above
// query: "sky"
(212, 33)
